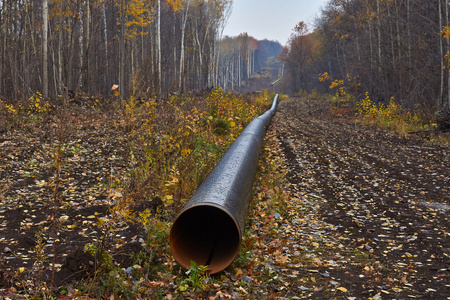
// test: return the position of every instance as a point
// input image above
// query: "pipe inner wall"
(207, 235)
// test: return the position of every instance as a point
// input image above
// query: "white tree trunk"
(158, 41)
(379, 36)
(45, 48)
(441, 51)
(182, 50)
(398, 32)
(60, 62)
(408, 24)
(122, 51)
(239, 69)
(448, 51)
(370, 38)
(88, 41)
(105, 36)
(3, 36)
(80, 40)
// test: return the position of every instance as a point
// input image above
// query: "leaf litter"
(368, 210)
(93, 158)
(351, 212)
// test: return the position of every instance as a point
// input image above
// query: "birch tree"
(182, 48)
(158, 47)
(87, 46)
(45, 48)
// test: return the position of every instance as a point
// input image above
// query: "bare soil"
(92, 158)
(367, 214)
(384, 195)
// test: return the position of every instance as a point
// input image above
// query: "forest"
(112, 113)
(141, 48)
(387, 48)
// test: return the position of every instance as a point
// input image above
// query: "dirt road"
(386, 196)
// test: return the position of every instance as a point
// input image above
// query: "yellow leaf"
(183, 287)
(116, 195)
(446, 32)
(238, 273)
(342, 289)
(168, 199)
(21, 270)
(185, 152)
(175, 4)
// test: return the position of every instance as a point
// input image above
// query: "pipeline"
(279, 79)
(209, 228)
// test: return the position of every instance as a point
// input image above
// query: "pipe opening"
(206, 235)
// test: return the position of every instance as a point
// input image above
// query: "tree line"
(388, 48)
(90, 45)
(62, 47)
(243, 57)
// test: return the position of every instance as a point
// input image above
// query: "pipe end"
(207, 235)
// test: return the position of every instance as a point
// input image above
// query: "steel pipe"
(281, 77)
(209, 228)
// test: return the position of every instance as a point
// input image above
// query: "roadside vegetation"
(388, 61)
(388, 115)
(107, 179)
(88, 193)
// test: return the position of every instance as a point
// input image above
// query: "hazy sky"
(271, 19)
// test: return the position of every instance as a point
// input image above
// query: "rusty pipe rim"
(207, 234)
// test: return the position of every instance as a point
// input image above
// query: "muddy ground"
(385, 195)
(81, 180)
(367, 214)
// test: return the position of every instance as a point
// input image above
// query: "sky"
(271, 19)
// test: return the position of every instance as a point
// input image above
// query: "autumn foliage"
(393, 48)
(148, 157)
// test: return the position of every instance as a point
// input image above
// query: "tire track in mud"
(389, 194)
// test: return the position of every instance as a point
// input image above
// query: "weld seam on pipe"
(209, 228)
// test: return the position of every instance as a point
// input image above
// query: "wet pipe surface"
(209, 228)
